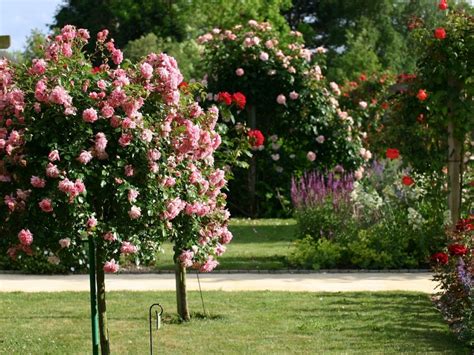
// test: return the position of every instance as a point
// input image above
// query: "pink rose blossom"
(117, 56)
(146, 70)
(281, 99)
(100, 142)
(128, 248)
(311, 156)
(169, 181)
(46, 205)
(85, 157)
(320, 139)
(89, 115)
(154, 155)
(263, 56)
(107, 111)
(209, 265)
(186, 258)
(146, 135)
(52, 171)
(109, 236)
(37, 182)
(25, 237)
(54, 155)
(59, 96)
(132, 195)
(294, 95)
(111, 266)
(65, 242)
(363, 105)
(135, 212)
(38, 67)
(91, 222)
(239, 72)
(129, 170)
(125, 139)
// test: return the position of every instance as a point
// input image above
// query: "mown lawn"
(239, 323)
(261, 244)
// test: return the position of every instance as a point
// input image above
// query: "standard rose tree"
(114, 155)
(287, 99)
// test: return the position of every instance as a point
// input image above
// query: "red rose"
(183, 85)
(384, 105)
(392, 153)
(443, 5)
(363, 77)
(465, 225)
(422, 95)
(457, 249)
(95, 70)
(440, 33)
(224, 97)
(256, 138)
(407, 181)
(239, 100)
(440, 258)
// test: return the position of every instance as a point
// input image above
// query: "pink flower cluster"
(72, 189)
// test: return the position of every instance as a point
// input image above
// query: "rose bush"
(289, 101)
(454, 270)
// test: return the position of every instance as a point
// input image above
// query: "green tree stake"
(93, 294)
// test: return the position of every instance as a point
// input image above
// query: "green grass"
(261, 244)
(240, 323)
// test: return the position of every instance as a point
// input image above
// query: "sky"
(19, 17)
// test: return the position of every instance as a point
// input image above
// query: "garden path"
(313, 282)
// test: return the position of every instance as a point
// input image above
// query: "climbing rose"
(320, 139)
(146, 70)
(256, 138)
(422, 95)
(407, 181)
(294, 95)
(128, 248)
(84, 157)
(53, 156)
(392, 153)
(457, 249)
(91, 222)
(135, 212)
(38, 182)
(224, 97)
(25, 237)
(440, 33)
(239, 99)
(440, 258)
(111, 266)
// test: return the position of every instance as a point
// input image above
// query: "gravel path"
(317, 282)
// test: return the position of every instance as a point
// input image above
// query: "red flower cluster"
(443, 5)
(440, 258)
(440, 33)
(392, 153)
(238, 98)
(422, 95)
(458, 249)
(407, 181)
(256, 138)
(465, 225)
(224, 97)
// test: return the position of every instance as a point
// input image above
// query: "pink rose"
(111, 266)
(320, 139)
(46, 205)
(128, 248)
(84, 157)
(263, 56)
(135, 212)
(132, 195)
(129, 170)
(363, 105)
(281, 99)
(37, 182)
(107, 111)
(125, 139)
(294, 95)
(25, 237)
(52, 171)
(311, 156)
(239, 72)
(146, 70)
(65, 242)
(91, 222)
(117, 56)
(89, 115)
(54, 155)
(109, 236)
(38, 66)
